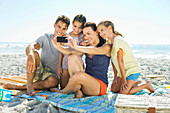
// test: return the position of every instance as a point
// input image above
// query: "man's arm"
(30, 66)
(64, 50)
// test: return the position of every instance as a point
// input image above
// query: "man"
(43, 70)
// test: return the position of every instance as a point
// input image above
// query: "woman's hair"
(64, 19)
(94, 28)
(92, 25)
(80, 18)
(109, 23)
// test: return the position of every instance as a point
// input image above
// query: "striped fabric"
(95, 104)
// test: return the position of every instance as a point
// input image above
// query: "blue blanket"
(96, 104)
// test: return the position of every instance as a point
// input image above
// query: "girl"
(124, 63)
(93, 81)
(78, 23)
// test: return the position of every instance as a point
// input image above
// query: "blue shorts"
(133, 77)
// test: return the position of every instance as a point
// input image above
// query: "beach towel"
(95, 104)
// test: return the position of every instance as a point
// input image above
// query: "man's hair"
(64, 19)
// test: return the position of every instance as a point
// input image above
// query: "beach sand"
(15, 65)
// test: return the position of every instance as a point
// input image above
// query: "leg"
(115, 88)
(81, 80)
(132, 90)
(64, 78)
(30, 76)
(74, 65)
(143, 86)
(49, 82)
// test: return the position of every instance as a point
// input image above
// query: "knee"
(114, 90)
(52, 81)
(77, 77)
(72, 57)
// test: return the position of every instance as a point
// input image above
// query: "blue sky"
(140, 21)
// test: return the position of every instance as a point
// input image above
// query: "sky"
(139, 21)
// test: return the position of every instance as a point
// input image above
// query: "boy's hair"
(80, 18)
(64, 19)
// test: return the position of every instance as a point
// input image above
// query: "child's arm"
(60, 59)
(115, 74)
(114, 70)
(124, 84)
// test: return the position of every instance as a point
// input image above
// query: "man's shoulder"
(47, 35)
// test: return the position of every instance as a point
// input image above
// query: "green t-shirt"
(130, 62)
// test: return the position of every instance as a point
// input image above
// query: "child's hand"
(73, 43)
(124, 85)
(114, 82)
(84, 43)
(60, 71)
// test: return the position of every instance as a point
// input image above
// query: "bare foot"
(9, 86)
(30, 91)
(149, 87)
(55, 90)
(79, 94)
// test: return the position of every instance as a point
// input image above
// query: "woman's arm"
(122, 69)
(66, 51)
(105, 49)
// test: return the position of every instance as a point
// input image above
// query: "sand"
(15, 65)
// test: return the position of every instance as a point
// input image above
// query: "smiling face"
(104, 31)
(77, 27)
(89, 35)
(60, 28)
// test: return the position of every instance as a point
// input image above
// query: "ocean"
(161, 51)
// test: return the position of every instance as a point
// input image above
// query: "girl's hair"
(80, 18)
(94, 28)
(109, 23)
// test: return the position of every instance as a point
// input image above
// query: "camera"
(62, 39)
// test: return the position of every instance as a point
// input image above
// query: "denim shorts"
(133, 77)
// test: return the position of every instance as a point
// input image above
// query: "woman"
(124, 63)
(77, 26)
(93, 81)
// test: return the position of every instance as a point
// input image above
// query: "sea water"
(161, 51)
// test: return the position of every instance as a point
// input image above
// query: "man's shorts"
(42, 72)
(133, 77)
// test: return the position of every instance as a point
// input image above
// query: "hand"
(124, 85)
(55, 43)
(114, 82)
(73, 43)
(84, 43)
(30, 66)
(60, 71)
